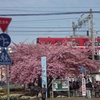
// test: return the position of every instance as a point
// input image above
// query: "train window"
(75, 43)
(58, 42)
(48, 42)
(43, 42)
(96, 43)
(69, 43)
(38, 40)
(87, 43)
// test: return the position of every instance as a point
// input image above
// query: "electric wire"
(46, 14)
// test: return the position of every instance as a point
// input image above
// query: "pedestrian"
(44, 92)
(99, 85)
(89, 89)
(74, 88)
(96, 89)
(2, 80)
(37, 91)
(30, 87)
(77, 87)
(71, 88)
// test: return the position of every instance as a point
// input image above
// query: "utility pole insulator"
(80, 23)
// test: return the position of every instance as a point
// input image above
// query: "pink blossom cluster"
(61, 61)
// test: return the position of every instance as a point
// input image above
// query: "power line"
(24, 10)
(37, 9)
(46, 27)
(48, 20)
(46, 14)
(46, 31)
(42, 27)
(45, 19)
(51, 7)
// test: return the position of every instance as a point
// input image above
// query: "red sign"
(83, 90)
(83, 87)
(4, 22)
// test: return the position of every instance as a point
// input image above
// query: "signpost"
(44, 72)
(5, 42)
(82, 71)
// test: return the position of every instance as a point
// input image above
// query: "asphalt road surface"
(74, 98)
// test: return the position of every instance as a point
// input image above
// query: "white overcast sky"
(29, 28)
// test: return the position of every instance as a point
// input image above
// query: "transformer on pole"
(91, 35)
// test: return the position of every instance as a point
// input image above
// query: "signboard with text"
(44, 72)
(83, 87)
(60, 85)
(4, 22)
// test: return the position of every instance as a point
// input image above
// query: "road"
(73, 98)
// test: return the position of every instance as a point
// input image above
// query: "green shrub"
(15, 98)
(16, 89)
(11, 98)
(2, 90)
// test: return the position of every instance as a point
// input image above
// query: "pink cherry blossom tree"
(62, 61)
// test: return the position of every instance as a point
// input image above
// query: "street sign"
(44, 72)
(5, 40)
(83, 87)
(44, 77)
(4, 22)
(4, 58)
(82, 70)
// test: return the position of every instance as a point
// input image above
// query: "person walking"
(71, 88)
(96, 89)
(77, 87)
(37, 91)
(44, 92)
(89, 89)
(74, 88)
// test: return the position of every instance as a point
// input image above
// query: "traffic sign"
(4, 58)
(4, 22)
(5, 40)
(82, 70)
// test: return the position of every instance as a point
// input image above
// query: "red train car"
(66, 41)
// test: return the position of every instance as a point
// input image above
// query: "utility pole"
(92, 34)
(7, 77)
